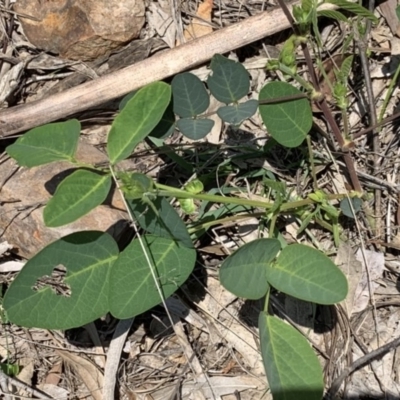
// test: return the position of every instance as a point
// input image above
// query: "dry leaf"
(54, 375)
(87, 371)
(198, 27)
(376, 262)
(388, 10)
(56, 392)
(160, 19)
(4, 247)
(27, 371)
(216, 302)
(352, 268)
(10, 81)
(326, 83)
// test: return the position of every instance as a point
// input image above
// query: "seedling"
(122, 283)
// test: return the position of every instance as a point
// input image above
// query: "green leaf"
(47, 143)
(125, 100)
(292, 368)
(167, 123)
(333, 14)
(195, 129)
(138, 118)
(243, 272)
(88, 258)
(166, 126)
(307, 274)
(346, 208)
(287, 122)
(277, 186)
(132, 288)
(307, 5)
(10, 369)
(75, 196)
(229, 80)
(166, 223)
(354, 8)
(189, 95)
(398, 12)
(237, 113)
(346, 68)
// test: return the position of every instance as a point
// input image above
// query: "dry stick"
(362, 361)
(114, 357)
(35, 392)
(158, 67)
(379, 124)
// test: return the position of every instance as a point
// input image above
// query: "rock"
(81, 29)
(25, 193)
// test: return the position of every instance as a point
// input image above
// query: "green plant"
(92, 270)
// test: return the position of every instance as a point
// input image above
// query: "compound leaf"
(47, 143)
(75, 196)
(87, 258)
(307, 274)
(243, 272)
(292, 368)
(138, 118)
(132, 288)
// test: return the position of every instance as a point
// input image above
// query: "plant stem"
(167, 191)
(205, 225)
(311, 155)
(362, 46)
(324, 105)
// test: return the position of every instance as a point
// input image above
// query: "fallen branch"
(160, 66)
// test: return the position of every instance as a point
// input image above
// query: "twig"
(4, 385)
(361, 362)
(367, 177)
(371, 128)
(37, 393)
(114, 357)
